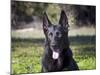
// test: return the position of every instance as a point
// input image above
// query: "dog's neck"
(49, 50)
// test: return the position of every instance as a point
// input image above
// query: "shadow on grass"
(77, 40)
(27, 40)
(74, 40)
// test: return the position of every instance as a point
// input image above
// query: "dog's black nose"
(54, 46)
(53, 43)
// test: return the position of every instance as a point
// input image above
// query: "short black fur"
(57, 41)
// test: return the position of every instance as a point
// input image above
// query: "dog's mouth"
(55, 55)
(55, 52)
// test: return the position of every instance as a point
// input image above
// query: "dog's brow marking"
(51, 29)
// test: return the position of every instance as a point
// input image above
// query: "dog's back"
(57, 55)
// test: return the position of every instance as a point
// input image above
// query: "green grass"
(27, 53)
(26, 58)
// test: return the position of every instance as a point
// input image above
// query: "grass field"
(27, 50)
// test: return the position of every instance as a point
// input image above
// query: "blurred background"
(27, 36)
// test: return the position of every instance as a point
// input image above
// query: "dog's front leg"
(73, 65)
(43, 70)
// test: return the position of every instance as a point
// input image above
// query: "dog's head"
(56, 34)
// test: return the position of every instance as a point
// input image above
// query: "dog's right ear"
(46, 22)
(63, 19)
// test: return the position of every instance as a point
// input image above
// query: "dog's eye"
(51, 34)
(58, 34)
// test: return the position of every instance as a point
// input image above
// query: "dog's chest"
(56, 64)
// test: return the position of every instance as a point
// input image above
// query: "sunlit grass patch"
(88, 63)
(26, 59)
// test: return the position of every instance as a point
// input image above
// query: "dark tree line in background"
(24, 12)
(85, 15)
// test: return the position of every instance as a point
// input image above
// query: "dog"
(57, 55)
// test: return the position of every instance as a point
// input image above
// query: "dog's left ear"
(63, 19)
(46, 22)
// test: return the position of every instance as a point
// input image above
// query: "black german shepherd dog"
(57, 55)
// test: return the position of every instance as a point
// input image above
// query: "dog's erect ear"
(63, 19)
(46, 22)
